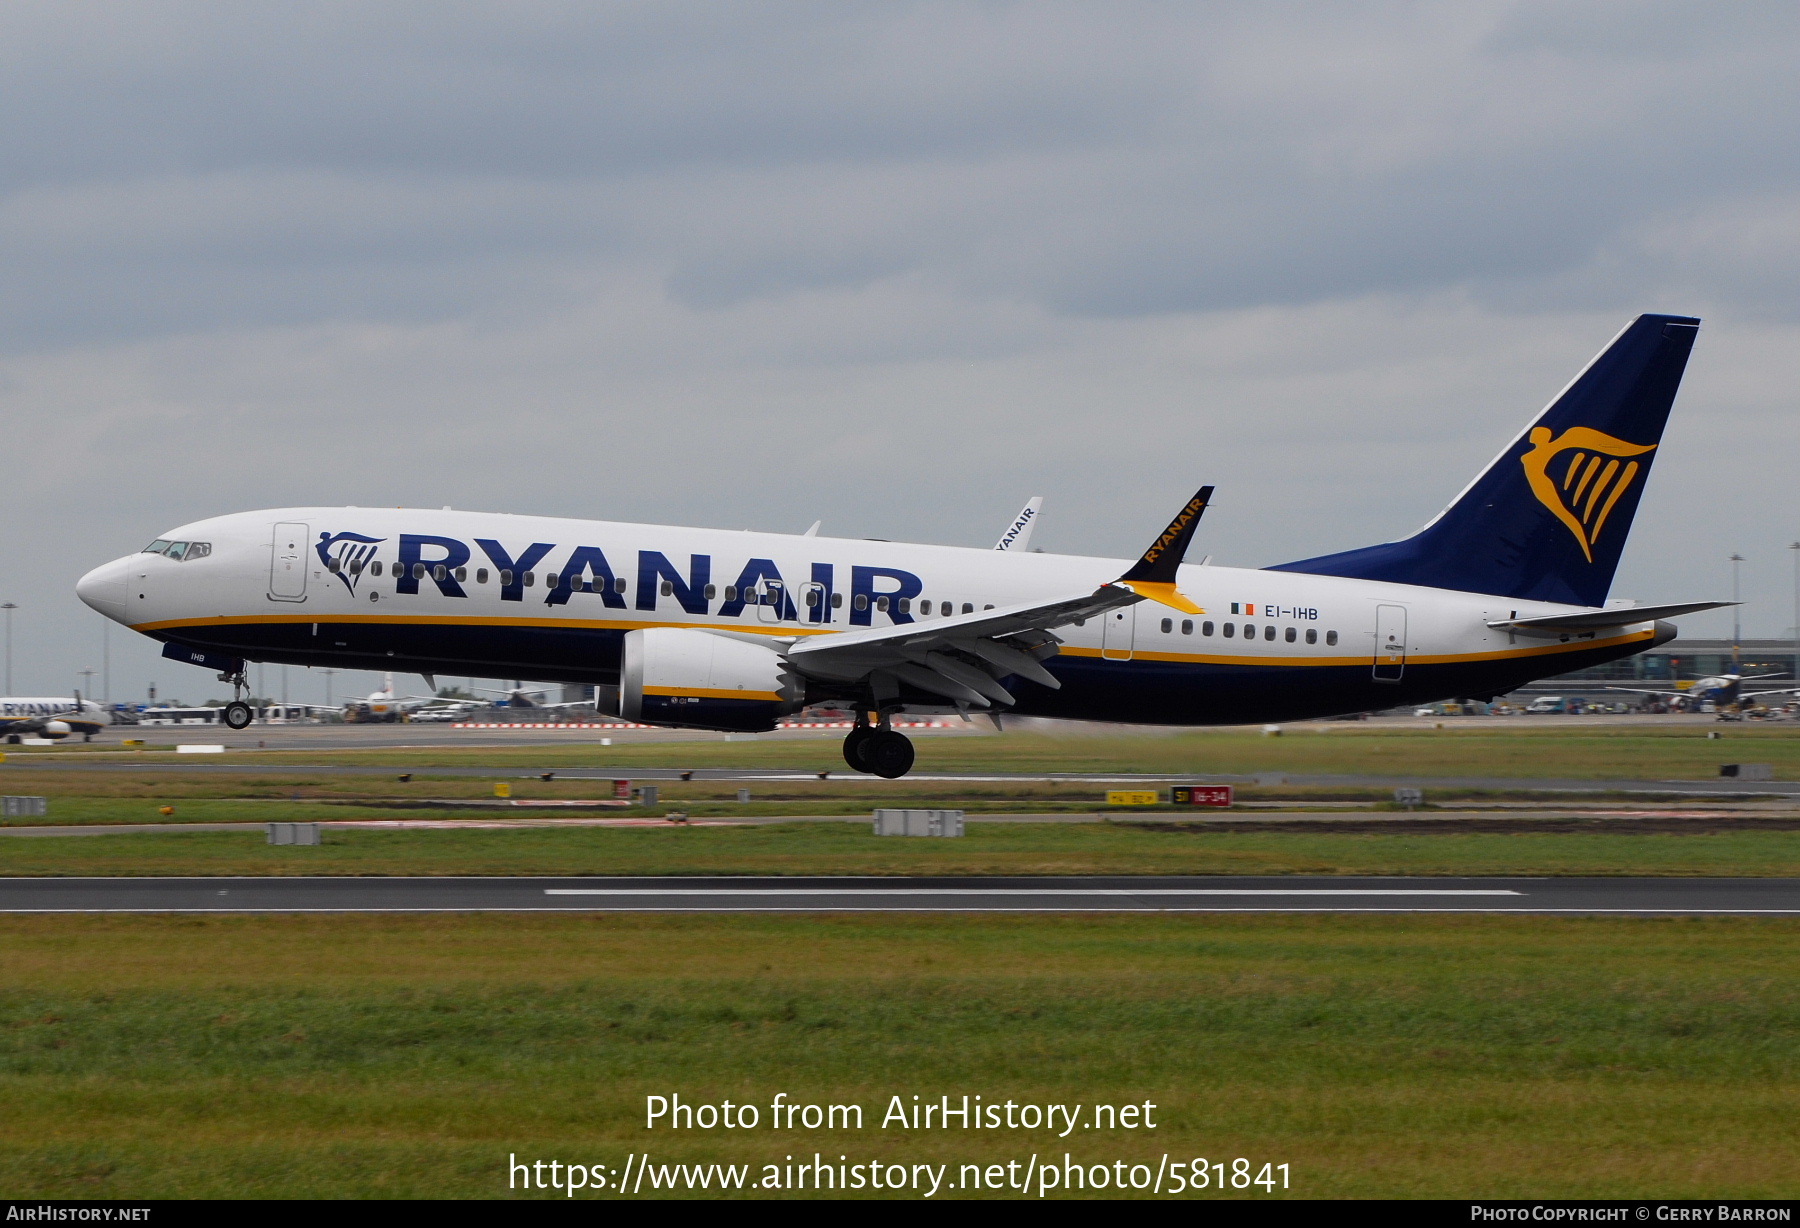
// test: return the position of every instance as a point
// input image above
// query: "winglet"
(1018, 534)
(1153, 576)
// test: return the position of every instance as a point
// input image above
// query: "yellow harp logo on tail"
(1581, 492)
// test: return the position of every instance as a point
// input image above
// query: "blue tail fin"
(1547, 519)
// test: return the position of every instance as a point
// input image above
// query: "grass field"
(1448, 1056)
(846, 848)
(314, 1057)
(1536, 748)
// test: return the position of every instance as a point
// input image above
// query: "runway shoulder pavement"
(1643, 896)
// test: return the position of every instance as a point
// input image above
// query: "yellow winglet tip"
(1163, 594)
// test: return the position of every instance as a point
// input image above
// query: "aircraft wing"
(36, 724)
(1638, 690)
(1602, 620)
(963, 657)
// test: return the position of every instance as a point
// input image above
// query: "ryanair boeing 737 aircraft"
(712, 629)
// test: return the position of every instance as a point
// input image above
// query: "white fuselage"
(504, 605)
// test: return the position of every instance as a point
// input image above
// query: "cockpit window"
(179, 551)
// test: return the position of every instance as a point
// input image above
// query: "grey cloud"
(192, 165)
(896, 265)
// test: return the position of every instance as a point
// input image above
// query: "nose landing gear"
(878, 750)
(237, 713)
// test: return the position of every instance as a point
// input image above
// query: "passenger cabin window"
(506, 576)
(712, 590)
(668, 588)
(356, 567)
(619, 584)
(481, 575)
(837, 601)
(1168, 625)
(1331, 637)
(1312, 635)
(375, 568)
(1269, 633)
(1206, 628)
(1230, 630)
(906, 605)
(1290, 635)
(418, 571)
(881, 603)
(862, 601)
(530, 578)
(812, 598)
(1187, 626)
(462, 573)
(968, 607)
(440, 572)
(1249, 631)
(332, 565)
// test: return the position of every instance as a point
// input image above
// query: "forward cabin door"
(769, 595)
(1390, 642)
(1115, 636)
(287, 562)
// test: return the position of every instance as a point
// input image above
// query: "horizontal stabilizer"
(1600, 620)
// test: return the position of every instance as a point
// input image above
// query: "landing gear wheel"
(856, 744)
(237, 715)
(888, 754)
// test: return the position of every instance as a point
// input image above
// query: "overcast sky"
(899, 266)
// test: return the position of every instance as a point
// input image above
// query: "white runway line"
(999, 891)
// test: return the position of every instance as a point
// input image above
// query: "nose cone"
(104, 588)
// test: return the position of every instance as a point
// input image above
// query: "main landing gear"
(237, 713)
(878, 750)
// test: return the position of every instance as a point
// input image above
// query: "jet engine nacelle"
(698, 680)
(56, 729)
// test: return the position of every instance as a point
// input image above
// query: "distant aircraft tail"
(1547, 519)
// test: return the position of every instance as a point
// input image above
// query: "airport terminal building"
(1679, 660)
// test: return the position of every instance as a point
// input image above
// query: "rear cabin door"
(287, 562)
(1115, 636)
(1390, 642)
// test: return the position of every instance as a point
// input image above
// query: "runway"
(1638, 896)
(1714, 788)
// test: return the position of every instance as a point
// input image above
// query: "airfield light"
(9, 607)
(1795, 547)
(1736, 622)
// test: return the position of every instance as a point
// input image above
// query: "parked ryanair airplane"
(51, 716)
(726, 630)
